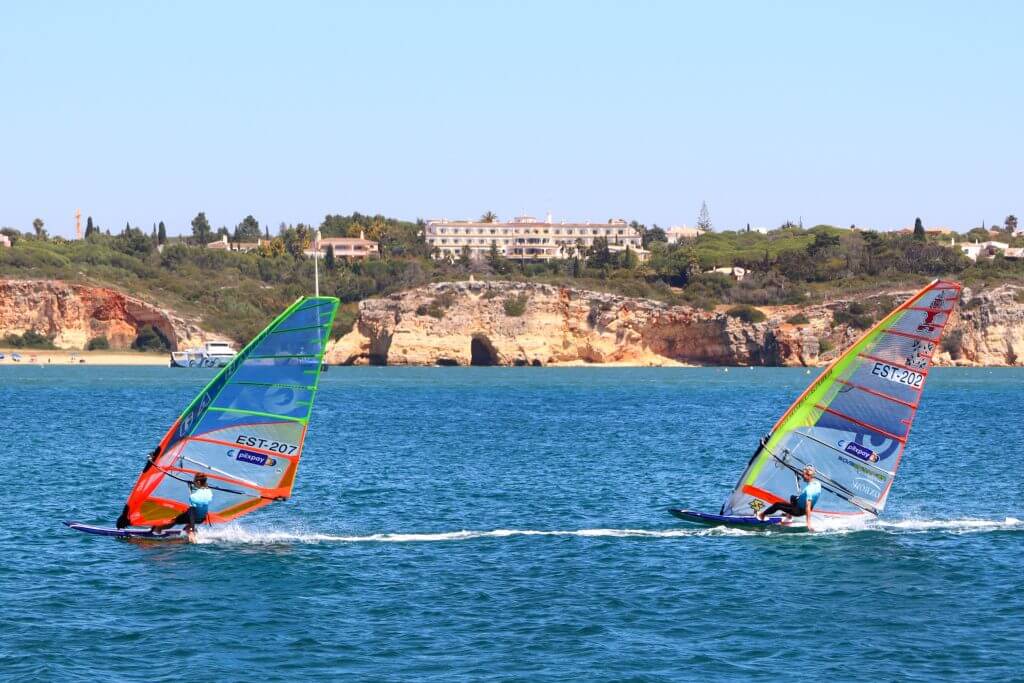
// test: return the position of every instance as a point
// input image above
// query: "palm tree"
(37, 225)
(489, 217)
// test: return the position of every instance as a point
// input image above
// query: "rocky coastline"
(71, 314)
(479, 323)
(521, 323)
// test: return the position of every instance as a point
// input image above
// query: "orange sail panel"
(246, 429)
(853, 422)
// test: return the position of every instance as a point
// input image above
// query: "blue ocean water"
(509, 524)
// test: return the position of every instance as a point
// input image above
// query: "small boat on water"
(212, 354)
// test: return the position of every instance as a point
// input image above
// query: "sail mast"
(316, 263)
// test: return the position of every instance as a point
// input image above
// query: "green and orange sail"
(852, 423)
(245, 430)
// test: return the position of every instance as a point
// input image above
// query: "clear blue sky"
(857, 112)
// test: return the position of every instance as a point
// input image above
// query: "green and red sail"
(246, 429)
(853, 422)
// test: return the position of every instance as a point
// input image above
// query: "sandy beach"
(68, 357)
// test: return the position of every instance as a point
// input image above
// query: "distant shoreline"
(64, 357)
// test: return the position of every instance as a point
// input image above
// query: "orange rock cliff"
(73, 314)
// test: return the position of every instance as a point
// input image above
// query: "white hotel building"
(527, 238)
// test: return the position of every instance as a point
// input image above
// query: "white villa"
(528, 238)
(675, 233)
(974, 250)
(357, 248)
(224, 245)
(735, 272)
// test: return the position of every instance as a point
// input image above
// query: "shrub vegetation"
(29, 340)
(98, 344)
(747, 314)
(515, 306)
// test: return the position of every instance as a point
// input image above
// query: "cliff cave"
(482, 352)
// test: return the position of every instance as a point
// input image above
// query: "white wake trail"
(950, 525)
(238, 534)
(234, 533)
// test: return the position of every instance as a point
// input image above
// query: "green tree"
(161, 234)
(498, 263)
(465, 256)
(329, 258)
(1011, 224)
(823, 244)
(919, 233)
(37, 225)
(89, 229)
(489, 217)
(274, 247)
(655, 234)
(133, 242)
(297, 240)
(628, 259)
(248, 230)
(201, 230)
(675, 265)
(598, 255)
(704, 218)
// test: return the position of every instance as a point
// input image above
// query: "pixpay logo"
(860, 451)
(255, 458)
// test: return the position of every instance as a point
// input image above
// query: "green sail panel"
(245, 430)
(852, 423)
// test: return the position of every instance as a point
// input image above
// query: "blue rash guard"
(812, 490)
(199, 500)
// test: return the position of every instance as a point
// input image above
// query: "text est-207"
(266, 444)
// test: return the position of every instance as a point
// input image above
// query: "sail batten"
(246, 428)
(853, 421)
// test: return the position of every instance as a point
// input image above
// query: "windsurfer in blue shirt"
(800, 504)
(199, 498)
